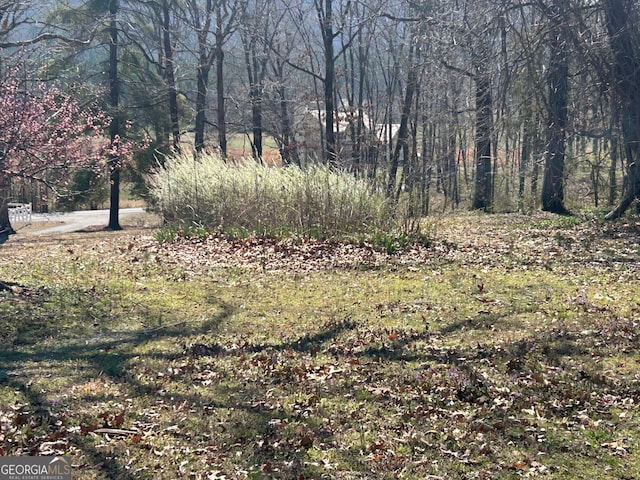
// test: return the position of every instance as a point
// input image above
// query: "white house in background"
(309, 129)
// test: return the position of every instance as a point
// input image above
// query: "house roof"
(344, 119)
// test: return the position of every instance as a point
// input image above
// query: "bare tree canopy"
(495, 105)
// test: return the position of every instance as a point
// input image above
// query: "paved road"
(80, 220)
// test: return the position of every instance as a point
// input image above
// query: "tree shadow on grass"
(537, 373)
(307, 343)
(481, 321)
(260, 420)
(110, 356)
(100, 355)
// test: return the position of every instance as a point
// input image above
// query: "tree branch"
(45, 37)
(462, 71)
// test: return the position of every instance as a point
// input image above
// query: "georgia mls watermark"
(35, 468)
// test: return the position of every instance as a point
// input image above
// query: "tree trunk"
(114, 129)
(412, 167)
(5, 223)
(285, 139)
(403, 132)
(362, 74)
(525, 152)
(221, 119)
(256, 70)
(483, 194)
(428, 146)
(326, 23)
(622, 26)
(613, 188)
(205, 62)
(256, 120)
(201, 100)
(594, 175)
(170, 76)
(558, 82)
(354, 122)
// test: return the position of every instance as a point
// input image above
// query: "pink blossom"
(45, 130)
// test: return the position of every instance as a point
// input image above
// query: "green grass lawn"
(507, 349)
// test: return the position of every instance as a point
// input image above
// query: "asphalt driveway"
(80, 220)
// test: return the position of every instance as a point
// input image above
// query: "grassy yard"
(506, 349)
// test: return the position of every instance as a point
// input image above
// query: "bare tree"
(170, 71)
(335, 18)
(282, 44)
(324, 10)
(622, 19)
(557, 107)
(483, 193)
(115, 127)
(402, 145)
(474, 44)
(257, 34)
(214, 21)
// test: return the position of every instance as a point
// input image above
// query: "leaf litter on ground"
(506, 349)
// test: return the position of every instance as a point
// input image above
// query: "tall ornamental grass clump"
(250, 198)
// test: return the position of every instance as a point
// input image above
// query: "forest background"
(496, 105)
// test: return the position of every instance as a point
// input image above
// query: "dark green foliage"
(89, 190)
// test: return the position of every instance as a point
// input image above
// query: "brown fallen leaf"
(619, 448)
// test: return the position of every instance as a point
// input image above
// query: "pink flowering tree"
(44, 135)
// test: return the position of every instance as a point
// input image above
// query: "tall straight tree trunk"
(350, 84)
(622, 18)
(256, 121)
(221, 114)
(256, 71)
(413, 168)
(361, 140)
(538, 148)
(403, 132)
(558, 99)
(325, 16)
(483, 194)
(256, 93)
(170, 75)
(288, 149)
(114, 129)
(205, 62)
(525, 161)
(428, 150)
(526, 151)
(202, 83)
(363, 54)
(286, 138)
